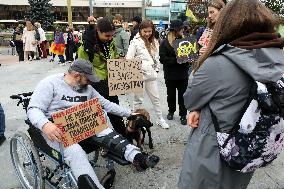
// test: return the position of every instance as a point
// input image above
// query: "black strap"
(252, 95)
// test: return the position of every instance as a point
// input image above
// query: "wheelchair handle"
(16, 97)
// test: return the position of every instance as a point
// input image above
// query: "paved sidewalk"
(169, 144)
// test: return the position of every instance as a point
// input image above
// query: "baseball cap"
(85, 67)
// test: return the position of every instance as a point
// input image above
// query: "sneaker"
(51, 60)
(162, 123)
(170, 116)
(142, 161)
(183, 120)
(2, 139)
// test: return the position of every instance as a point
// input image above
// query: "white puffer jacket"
(138, 50)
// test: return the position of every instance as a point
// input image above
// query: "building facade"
(16, 9)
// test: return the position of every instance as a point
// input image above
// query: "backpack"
(37, 35)
(258, 137)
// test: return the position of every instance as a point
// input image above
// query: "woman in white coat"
(29, 41)
(145, 47)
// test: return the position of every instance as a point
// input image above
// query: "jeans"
(2, 121)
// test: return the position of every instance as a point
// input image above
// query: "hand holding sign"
(186, 49)
(78, 122)
(52, 132)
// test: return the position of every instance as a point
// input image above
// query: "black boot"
(170, 116)
(142, 161)
(86, 182)
(183, 120)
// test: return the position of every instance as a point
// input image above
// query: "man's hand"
(52, 131)
(193, 119)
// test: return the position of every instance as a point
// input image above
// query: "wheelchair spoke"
(26, 165)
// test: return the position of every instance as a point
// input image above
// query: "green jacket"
(99, 62)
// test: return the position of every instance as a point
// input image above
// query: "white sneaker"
(162, 123)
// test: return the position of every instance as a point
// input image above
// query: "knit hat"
(176, 25)
(137, 19)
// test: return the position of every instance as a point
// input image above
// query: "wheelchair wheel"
(108, 180)
(26, 162)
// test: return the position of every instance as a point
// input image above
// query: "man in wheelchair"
(61, 91)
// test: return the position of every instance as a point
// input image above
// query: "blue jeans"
(2, 121)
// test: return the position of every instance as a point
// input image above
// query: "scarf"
(259, 40)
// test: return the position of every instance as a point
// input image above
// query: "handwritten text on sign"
(124, 76)
(205, 38)
(80, 122)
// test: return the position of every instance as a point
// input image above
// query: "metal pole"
(91, 7)
(170, 14)
(69, 12)
(143, 9)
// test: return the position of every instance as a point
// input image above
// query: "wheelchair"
(37, 164)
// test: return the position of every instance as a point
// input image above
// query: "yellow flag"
(189, 14)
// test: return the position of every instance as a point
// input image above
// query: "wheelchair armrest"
(41, 144)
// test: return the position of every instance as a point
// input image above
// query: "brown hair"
(149, 43)
(29, 25)
(239, 18)
(217, 4)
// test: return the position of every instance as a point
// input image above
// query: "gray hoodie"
(53, 94)
(223, 83)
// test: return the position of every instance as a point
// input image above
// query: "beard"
(80, 88)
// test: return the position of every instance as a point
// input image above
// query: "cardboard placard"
(80, 122)
(205, 38)
(124, 76)
(186, 49)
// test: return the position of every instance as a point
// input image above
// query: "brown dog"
(137, 127)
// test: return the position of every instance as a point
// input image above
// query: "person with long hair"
(244, 48)
(175, 74)
(145, 47)
(214, 8)
(98, 46)
(29, 41)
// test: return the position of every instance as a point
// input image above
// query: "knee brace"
(86, 182)
(114, 143)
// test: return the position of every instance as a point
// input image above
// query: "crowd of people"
(218, 81)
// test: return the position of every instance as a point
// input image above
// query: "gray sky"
(159, 2)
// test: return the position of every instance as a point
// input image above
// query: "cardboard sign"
(186, 49)
(205, 38)
(80, 122)
(124, 76)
